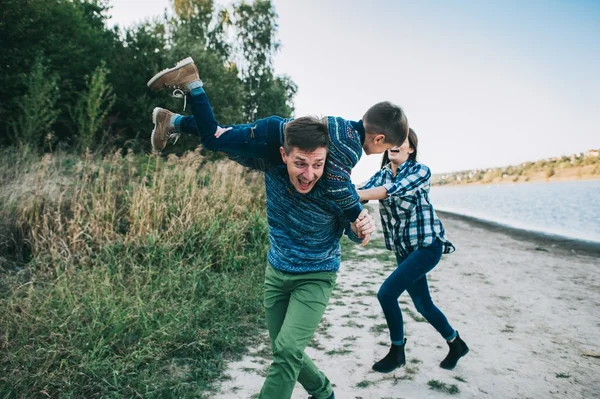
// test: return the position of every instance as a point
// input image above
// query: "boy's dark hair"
(306, 133)
(387, 119)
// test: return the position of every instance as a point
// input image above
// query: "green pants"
(294, 306)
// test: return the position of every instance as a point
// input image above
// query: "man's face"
(304, 168)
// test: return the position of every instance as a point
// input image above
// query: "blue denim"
(410, 275)
(261, 139)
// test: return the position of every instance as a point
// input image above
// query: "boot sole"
(389, 370)
(154, 116)
(182, 63)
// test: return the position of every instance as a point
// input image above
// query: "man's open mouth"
(305, 185)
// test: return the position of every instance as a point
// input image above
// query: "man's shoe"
(458, 348)
(394, 359)
(178, 77)
(331, 397)
(162, 128)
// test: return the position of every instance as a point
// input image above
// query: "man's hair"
(387, 119)
(306, 133)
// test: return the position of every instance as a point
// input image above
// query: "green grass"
(138, 277)
(413, 315)
(364, 384)
(379, 328)
(436, 385)
(334, 352)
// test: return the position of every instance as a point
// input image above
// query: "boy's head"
(304, 151)
(386, 126)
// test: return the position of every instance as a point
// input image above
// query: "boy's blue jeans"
(410, 275)
(261, 139)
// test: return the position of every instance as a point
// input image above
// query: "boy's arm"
(360, 231)
(345, 150)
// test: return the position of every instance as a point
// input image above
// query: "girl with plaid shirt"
(414, 232)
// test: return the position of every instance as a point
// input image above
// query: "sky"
(483, 83)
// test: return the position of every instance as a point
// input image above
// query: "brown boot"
(162, 130)
(178, 77)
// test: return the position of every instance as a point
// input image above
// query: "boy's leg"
(294, 306)
(242, 140)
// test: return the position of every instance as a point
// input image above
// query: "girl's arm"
(375, 181)
(417, 178)
(375, 193)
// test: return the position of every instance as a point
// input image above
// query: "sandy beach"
(527, 305)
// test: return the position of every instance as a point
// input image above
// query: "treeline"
(69, 81)
(581, 165)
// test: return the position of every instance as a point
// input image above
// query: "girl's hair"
(413, 141)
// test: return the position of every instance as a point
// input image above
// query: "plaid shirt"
(408, 218)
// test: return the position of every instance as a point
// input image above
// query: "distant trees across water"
(576, 166)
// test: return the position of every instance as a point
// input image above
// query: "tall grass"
(126, 276)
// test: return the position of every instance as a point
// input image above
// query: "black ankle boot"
(458, 349)
(394, 359)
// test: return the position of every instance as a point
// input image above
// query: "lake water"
(569, 209)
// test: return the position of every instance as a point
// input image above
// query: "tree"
(92, 108)
(256, 26)
(37, 109)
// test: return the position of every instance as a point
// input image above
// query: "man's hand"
(363, 226)
(221, 130)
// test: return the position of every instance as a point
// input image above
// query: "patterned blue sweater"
(345, 149)
(304, 229)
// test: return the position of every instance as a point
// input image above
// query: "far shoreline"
(543, 240)
(510, 181)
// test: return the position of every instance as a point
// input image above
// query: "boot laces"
(179, 93)
(173, 136)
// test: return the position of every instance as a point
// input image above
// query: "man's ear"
(283, 155)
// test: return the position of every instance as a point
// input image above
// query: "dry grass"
(126, 276)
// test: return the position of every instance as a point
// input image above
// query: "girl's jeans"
(410, 275)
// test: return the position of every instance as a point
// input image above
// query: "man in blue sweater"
(384, 126)
(305, 226)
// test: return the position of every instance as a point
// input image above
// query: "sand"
(527, 305)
